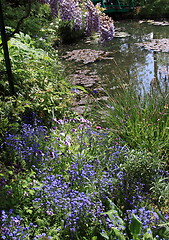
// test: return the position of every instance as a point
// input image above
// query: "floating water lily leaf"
(84, 78)
(86, 55)
(121, 34)
(156, 23)
(157, 45)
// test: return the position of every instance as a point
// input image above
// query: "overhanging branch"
(20, 21)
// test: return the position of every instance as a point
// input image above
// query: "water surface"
(129, 63)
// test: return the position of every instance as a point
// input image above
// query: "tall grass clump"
(141, 120)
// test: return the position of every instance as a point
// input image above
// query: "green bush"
(40, 15)
(155, 9)
(39, 83)
(67, 33)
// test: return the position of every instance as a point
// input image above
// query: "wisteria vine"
(84, 15)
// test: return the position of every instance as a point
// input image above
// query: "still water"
(129, 62)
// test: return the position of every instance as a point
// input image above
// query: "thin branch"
(20, 21)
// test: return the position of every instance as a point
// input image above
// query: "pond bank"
(157, 10)
(128, 63)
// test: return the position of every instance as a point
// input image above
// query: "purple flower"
(92, 19)
(106, 29)
(84, 16)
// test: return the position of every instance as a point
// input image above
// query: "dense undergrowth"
(154, 9)
(63, 176)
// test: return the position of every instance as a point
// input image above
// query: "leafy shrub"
(40, 15)
(39, 83)
(155, 9)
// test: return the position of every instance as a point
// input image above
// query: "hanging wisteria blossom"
(84, 15)
(92, 19)
(106, 29)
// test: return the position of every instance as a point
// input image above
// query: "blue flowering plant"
(78, 181)
(69, 178)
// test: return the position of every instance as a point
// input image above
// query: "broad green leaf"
(114, 207)
(110, 213)
(29, 211)
(118, 234)
(10, 172)
(163, 224)
(104, 234)
(135, 226)
(165, 233)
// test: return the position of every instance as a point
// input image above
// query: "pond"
(127, 62)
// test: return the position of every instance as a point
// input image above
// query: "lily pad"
(157, 45)
(161, 23)
(121, 34)
(156, 23)
(84, 78)
(86, 55)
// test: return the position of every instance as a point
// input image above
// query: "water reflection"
(130, 63)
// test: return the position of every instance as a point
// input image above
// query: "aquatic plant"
(86, 55)
(157, 45)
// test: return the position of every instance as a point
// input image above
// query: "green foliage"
(17, 192)
(67, 33)
(140, 168)
(115, 216)
(155, 9)
(95, 155)
(39, 82)
(142, 121)
(134, 229)
(140, 165)
(73, 147)
(160, 189)
(40, 15)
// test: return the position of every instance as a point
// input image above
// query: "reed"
(140, 119)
